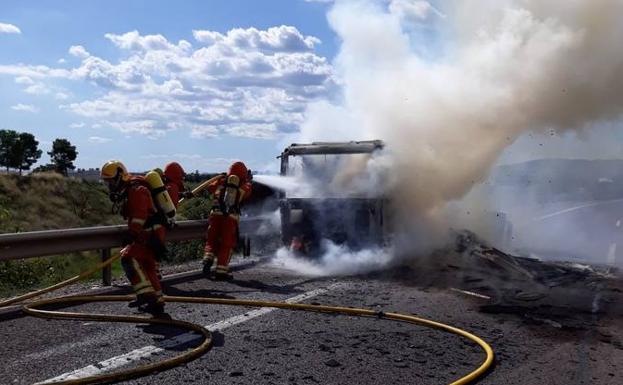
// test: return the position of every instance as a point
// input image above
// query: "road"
(267, 346)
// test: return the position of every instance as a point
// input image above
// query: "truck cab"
(335, 202)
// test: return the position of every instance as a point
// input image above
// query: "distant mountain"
(563, 179)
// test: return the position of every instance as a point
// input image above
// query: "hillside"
(46, 201)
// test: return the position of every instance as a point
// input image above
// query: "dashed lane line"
(147, 351)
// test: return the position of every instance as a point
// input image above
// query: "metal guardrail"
(54, 242)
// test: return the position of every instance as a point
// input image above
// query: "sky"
(148, 82)
(203, 83)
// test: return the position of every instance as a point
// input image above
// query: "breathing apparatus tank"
(230, 198)
(161, 196)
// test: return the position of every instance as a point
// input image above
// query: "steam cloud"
(449, 86)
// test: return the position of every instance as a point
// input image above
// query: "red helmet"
(174, 172)
(238, 169)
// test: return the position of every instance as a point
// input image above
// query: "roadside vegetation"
(46, 201)
(49, 200)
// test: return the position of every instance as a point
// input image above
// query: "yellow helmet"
(114, 169)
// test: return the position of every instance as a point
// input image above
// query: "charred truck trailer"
(334, 203)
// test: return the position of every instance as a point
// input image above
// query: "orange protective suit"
(174, 181)
(138, 257)
(229, 191)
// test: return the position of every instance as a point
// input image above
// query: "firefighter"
(174, 181)
(132, 198)
(228, 191)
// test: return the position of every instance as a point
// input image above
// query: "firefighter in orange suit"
(229, 191)
(132, 198)
(174, 181)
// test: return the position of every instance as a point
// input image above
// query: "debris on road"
(557, 294)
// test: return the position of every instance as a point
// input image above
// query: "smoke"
(291, 185)
(337, 260)
(448, 86)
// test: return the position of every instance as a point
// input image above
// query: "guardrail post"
(107, 271)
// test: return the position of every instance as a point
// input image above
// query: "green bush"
(26, 274)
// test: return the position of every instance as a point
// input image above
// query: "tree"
(45, 168)
(8, 138)
(63, 155)
(25, 152)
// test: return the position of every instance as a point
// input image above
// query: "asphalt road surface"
(268, 346)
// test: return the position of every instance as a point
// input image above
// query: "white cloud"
(190, 161)
(208, 37)
(23, 80)
(61, 61)
(204, 132)
(259, 131)
(9, 28)
(246, 82)
(276, 39)
(33, 71)
(40, 88)
(98, 140)
(413, 11)
(61, 96)
(77, 125)
(135, 42)
(37, 89)
(79, 51)
(151, 128)
(25, 108)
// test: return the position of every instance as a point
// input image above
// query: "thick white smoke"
(449, 86)
(337, 260)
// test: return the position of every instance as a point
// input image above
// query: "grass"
(49, 201)
(45, 201)
(21, 276)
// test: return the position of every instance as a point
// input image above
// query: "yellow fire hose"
(204, 185)
(33, 309)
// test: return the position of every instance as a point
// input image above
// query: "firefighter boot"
(222, 273)
(141, 300)
(208, 261)
(154, 305)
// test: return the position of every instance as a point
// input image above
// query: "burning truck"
(335, 205)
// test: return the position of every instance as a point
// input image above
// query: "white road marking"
(591, 204)
(467, 292)
(612, 254)
(612, 251)
(146, 351)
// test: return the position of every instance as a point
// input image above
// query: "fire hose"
(33, 308)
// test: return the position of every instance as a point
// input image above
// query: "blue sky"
(143, 81)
